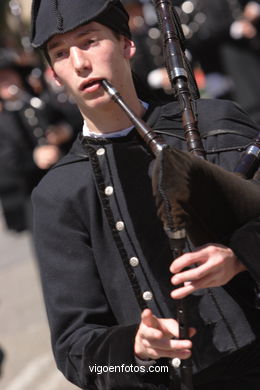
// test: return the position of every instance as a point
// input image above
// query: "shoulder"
(64, 174)
(64, 180)
(173, 107)
(218, 107)
(212, 115)
(164, 116)
(225, 115)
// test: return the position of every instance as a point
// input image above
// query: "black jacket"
(93, 294)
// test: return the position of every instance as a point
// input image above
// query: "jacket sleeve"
(85, 335)
(245, 242)
(238, 130)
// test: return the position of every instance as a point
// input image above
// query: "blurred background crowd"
(39, 121)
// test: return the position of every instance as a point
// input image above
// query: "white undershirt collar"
(122, 133)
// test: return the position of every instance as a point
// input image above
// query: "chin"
(99, 102)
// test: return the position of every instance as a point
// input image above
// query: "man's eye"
(89, 42)
(59, 54)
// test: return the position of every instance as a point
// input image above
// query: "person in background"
(33, 137)
(148, 60)
(223, 38)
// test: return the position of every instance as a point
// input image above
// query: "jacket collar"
(78, 150)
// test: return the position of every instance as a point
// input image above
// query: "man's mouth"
(90, 86)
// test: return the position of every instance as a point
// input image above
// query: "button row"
(120, 226)
(109, 190)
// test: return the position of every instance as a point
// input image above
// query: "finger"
(200, 255)
(183, 292)
(168, 345)
(190, 287)
(169, 327)
(173, 329)
(193, 274)
(149, 319)
(156, 353)
(157, 328)
(149, 333)
(186, 260)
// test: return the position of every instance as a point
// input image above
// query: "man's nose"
(79, 59)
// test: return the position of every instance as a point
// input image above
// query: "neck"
(111, 117)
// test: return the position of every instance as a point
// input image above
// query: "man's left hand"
(215, 265)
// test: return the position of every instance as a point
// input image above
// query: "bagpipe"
(195, 199)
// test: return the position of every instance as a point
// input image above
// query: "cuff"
(146, 363)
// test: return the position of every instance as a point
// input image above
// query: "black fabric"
(62, 17)
(101, 185)
(240, 371)
(92, 310)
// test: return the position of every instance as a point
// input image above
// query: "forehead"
(92, 27)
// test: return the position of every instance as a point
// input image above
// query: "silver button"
(120, 226)
(36, 102)
(33, 121)
(147, 295)
(101, 151)
(134, 262)
(176, 362)
(109, 190)
(29, 113)
(38, 132)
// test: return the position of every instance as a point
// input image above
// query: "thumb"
(149, 319)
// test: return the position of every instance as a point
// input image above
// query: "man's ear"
(56, 78)
(129, 48)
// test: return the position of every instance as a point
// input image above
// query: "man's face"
(83, 57)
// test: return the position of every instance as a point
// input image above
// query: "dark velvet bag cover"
(210, 202)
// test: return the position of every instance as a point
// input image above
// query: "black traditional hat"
(51, 17)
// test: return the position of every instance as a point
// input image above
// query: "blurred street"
(24, 335)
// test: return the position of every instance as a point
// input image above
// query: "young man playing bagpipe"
(103, 254)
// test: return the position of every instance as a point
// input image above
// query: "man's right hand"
(155, 338)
